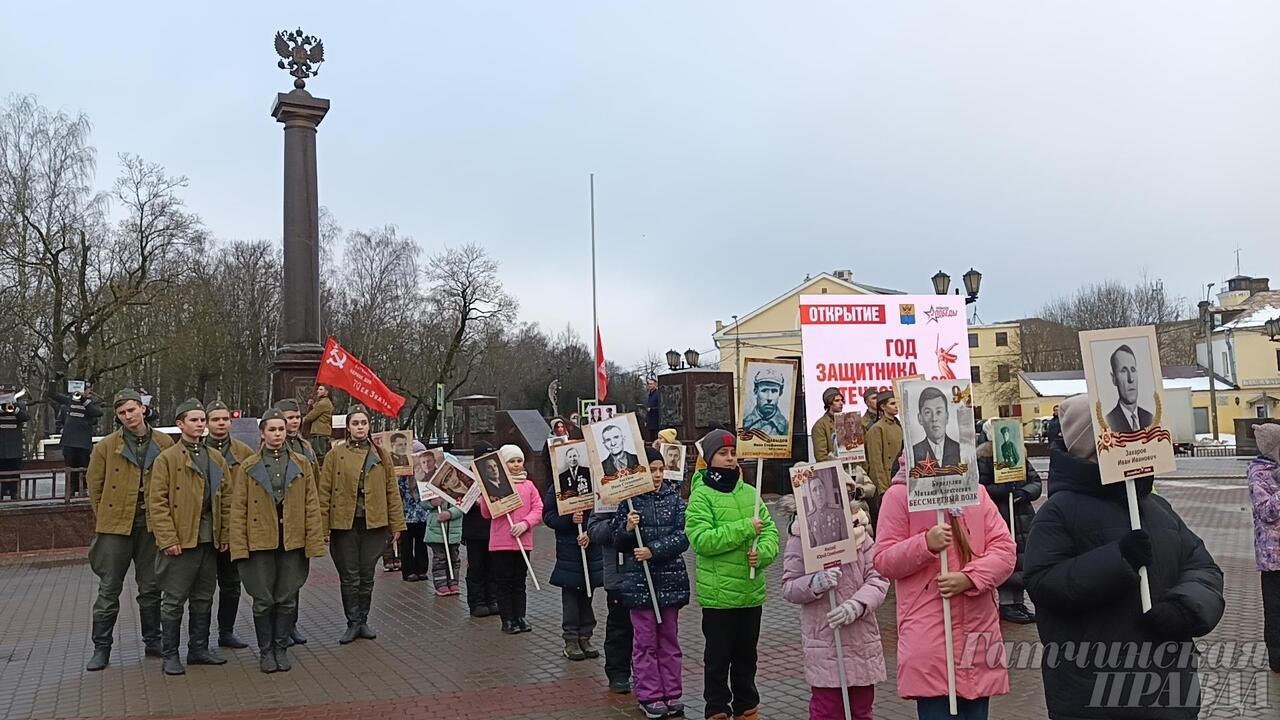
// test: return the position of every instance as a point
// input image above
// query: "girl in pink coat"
(506, 539)
(859, 590)
(980, 556)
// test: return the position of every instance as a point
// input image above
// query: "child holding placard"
(657, 520)
(578, 618)
(506, 536)
(721, 524)
(980, 556)
(444, 526)
(860, 590)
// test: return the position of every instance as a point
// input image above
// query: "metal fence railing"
(1214, 451)
(43, 481)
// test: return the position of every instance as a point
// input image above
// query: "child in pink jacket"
(506, 535)
(980, 556)
(859, 591)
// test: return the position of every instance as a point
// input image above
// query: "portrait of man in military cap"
(768, 400)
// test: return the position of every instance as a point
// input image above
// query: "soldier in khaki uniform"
(295, 444)
(824, 430)
(188, 502)
(275, 529)
(119, 472)
(319, 423)
(359, 501)
(233, 453)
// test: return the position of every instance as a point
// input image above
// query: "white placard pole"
(759, 482)
(524, 554)
(946, 619)
(844, 679)
(653, 594)
(586, 569)
(1135, 523)
(444, 530)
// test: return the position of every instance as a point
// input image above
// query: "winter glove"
(821, 582)
(845, 613)
(1167, 620)
(1135, 548)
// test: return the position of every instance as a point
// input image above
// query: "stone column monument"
(299, 348)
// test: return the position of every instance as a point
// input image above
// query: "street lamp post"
(676, 362)
(1206, 316)
(972, 284)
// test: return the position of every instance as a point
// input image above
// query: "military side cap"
(216, 405)
(769, 375)
(125, 396)
(829, 395)
(883, 398)
(358, 409)
(287, 405)
(187, 406)
(272, 414)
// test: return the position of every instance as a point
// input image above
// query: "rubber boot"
(101, 646)
(171, 635)
(265, 633)
(198, 652)
(284, 623)
(149, 620)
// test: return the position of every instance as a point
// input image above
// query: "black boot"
(265, 633)
(351, 609)
(149, 620)
(101, 645)
(229, 639)
(364, 631)
(284, 623)
(198, 652)
(509, 627)
(295, 637)
(228, 605)
(171, 635)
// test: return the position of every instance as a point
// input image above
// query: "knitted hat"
(1077, 428)
(711, 443)
(507, 452)
(667, 436)
(187, 406)
(418, 447)
(654, 456)
(287, 405)
(1268, 437)
(126, 395)
(272, 414)
(829, 395)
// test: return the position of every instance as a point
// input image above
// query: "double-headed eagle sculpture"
(300, 54)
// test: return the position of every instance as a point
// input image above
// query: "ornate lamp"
(972, 282)
(673, 359)
(941, 283)
(691, 357)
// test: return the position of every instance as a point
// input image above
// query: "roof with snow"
(1066, 383)
(1253, 320)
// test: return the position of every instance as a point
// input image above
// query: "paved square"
(433, 661)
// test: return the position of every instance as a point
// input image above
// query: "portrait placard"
(938, 441)
(496, 489)
(600, 413)
(451, 482)
(571, 471)
(616, 451)
(584, 410)
(1126, 394)
(399, 445)
(673, 459)
(850, 441)
(767, 408)
(823, 516)
(1009, 450)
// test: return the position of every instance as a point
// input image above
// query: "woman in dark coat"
(1081, 570)
(1012, 607)
(578, 618)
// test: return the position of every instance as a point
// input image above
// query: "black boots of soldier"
(228, 639)
(265, 633)
(149, 619)
(198, 652)
(100, 659)
(356, 608)
(284, 629)
(172, 634)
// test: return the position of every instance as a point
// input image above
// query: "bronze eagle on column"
(303, 56)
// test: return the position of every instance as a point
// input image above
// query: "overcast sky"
(737, 145)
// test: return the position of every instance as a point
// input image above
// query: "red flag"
(339, 369)
(602, 378)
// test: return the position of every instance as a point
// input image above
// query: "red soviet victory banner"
(339, 369)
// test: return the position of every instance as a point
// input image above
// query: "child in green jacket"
(721, 524)
(444, 526)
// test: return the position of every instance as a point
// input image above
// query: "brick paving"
(432, 661)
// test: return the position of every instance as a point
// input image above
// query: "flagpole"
(595, 325)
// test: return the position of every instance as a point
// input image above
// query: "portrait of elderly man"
(1127, 415)
(933, 413)
(619, 461)
(574, 480)
(766, 414)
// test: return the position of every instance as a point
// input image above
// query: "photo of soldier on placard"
(933, 412)
(499, 494)
(823, 515)
(938, 437)
(767, 403)
(1008, 450)
(850, 442)
(398, 444)
(616, 445)
(673, 461)
(570, 466)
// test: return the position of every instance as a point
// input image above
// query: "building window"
(973, 340)
(1013, 410)
(1002, 373)
(1277, 360)
(977, 413)
(975, 373)
(1002, 339)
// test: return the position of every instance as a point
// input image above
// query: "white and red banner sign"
(855, 342)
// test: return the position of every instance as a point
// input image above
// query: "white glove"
(821, 582)
(845, 613)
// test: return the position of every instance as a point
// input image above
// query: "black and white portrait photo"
(620, 456)
(767, 400)
(933, 414)
(1128, 371)
(617, 459)
(571, 468)
(824, 515)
